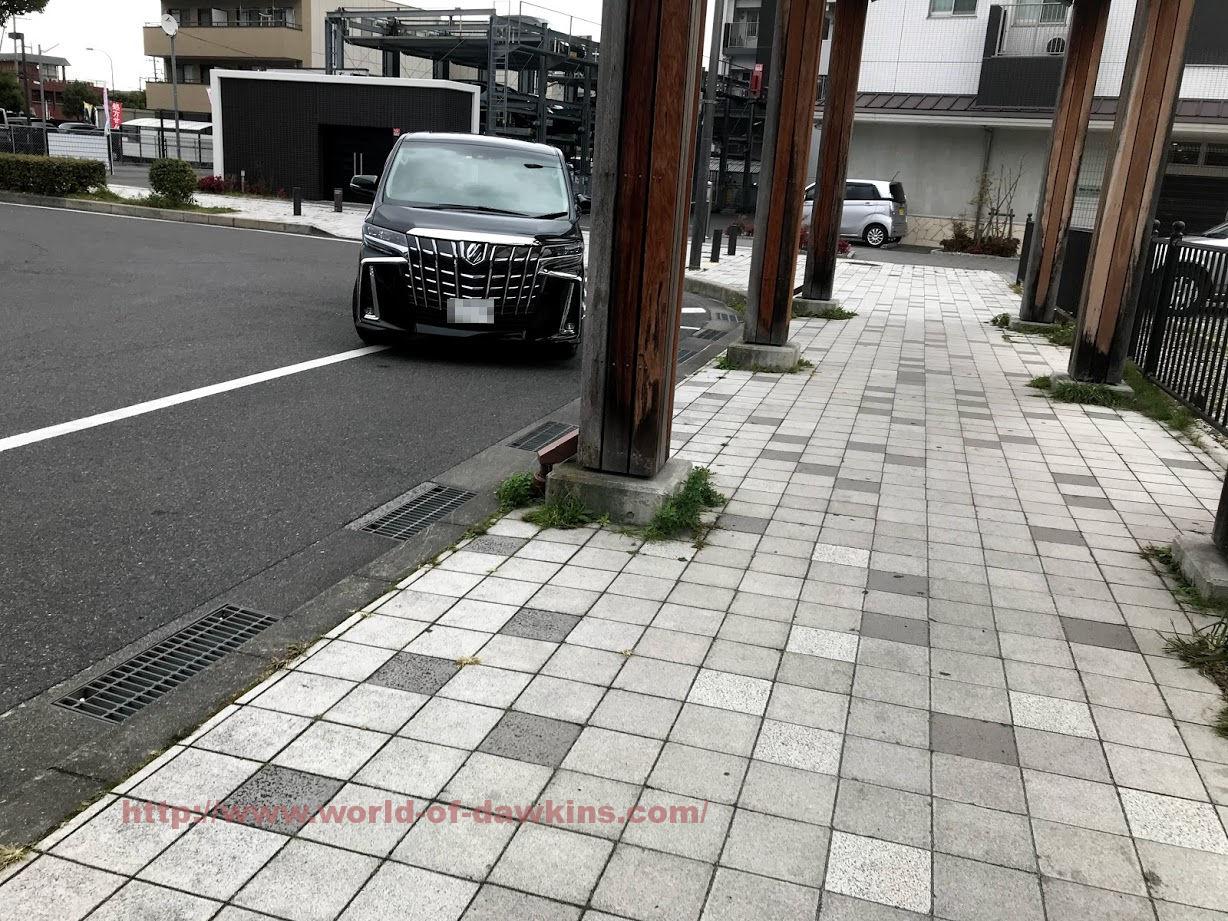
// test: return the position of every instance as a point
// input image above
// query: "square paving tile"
(1094, 858)
(409, 671)
(112, 841)
(960, 888)
(988, 835)
(879, 871)
(881, 812)
(973, 738)
(738, 896)
(780, 848)
(418, 894)
(597, 804)
(616, 755)
(465, 847)
(494, 903)
(653, 886)
(1175, 821)
(331, 749)
(552, 862)
(332, 877)
(533, 624)
(278, 799)
(728, 691)
(1097, 633)
(499, 781)
(413, 767)
(536, 739)
(799, 746)
(1056, 536)
(895, 629)
(679, 825)
(698, 772)
(214, 859)
(452, 722)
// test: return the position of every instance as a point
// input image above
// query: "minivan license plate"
(471, 310)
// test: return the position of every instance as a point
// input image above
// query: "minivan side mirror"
(364, 186)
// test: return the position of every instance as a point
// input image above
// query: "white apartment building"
(950, 89)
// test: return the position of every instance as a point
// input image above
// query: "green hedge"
(50, 175)
(172, 179)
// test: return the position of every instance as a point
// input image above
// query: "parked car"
(875, 211)
(78, 128)
(471, 236)
(1201, 275)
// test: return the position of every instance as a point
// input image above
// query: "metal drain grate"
(542, 435)
(148, 675)
(711, 334)
(424, 506)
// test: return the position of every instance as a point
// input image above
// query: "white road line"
(149, 406)
(694, 309)
(329, 238)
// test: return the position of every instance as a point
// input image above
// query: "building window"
(1217, 155)
(1042, 12)
(952, 7)
(1184, 153)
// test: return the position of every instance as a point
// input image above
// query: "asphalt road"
(112, 531)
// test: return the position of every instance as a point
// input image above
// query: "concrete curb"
(236, 221)
(731, 297)
(1203, 564)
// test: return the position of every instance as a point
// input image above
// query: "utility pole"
(703, 204)
(170, 25)
(42, 97)
(25, 76)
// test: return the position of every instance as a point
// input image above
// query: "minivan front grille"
(438, 269)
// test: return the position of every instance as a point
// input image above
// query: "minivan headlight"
(575, 248)
(385, 239)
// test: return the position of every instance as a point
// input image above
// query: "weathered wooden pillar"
(647, 85)
(1071, 115)
(791, 91)
(1116, 265)
(843, 70)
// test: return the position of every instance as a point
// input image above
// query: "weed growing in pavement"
(1088, 394)
(515, 492)
(835, 312)
(1041, 383)
(1017, 287)
(724, 364)
(1206, 649)
(564, 512)
(1002, 321)
(468, 660)
(1061, 334)
(681, 512)
(11, 854)
(293, 651)
(1148, 399)
(149, 201)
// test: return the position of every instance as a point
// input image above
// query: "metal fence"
(1180, 337)
(22, 139)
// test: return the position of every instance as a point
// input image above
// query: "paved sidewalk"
(914, 673)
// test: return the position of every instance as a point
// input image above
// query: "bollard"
(716, 246)
(337, 200)
(243, 181)
(733, 240)
(298, 201)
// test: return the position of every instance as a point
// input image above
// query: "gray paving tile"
(552, 862)
(973, 738)
(698, 772)
(1088, 502)
(827, 470)
(1097, 633)
(655, 887)
(988, 835)
(410, 671)
(494, 903)
(1081, 855)
(738, 896)
(332, 876)
(776, 847)
(418, 894)
(790, 792)
(536, 739)
(743, 523)
(491, 543)
(1066, 901)
(960, 888)
(881, 812)
(895, 629)
(278, 799)
(533, 624)
(1057, 536)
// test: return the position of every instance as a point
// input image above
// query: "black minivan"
(471, 236)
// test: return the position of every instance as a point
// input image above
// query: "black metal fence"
(1180, 337)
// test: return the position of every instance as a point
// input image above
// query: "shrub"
(962, 241)
(50, 175)
(216, 184)
(172, 180)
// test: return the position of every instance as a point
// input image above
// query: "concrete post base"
(813, 307)
(1031, 326)
(1123, 389)
(628, 500)
(1203, 564)
(748, 356)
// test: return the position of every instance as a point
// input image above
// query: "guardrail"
(1180, 337)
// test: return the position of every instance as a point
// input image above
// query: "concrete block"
(813, 307)
(1202, 563)
(749, 356)
(626, 499)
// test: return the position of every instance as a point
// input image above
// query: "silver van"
(875, 211)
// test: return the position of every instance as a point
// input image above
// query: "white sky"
(115, 27)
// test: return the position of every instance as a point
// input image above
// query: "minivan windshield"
(460, 176)
(1219, 232)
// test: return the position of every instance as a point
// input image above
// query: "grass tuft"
(1002, 320)
(1151, 401)
(467, 660)
(1087, 394)
(1041, 383)
(564, 512)
(1206, 649)
(150, 201)
(11, 854)
(515, 492)
(833, 313)
(724, 364)
(681, 512)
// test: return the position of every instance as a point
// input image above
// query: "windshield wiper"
(446, 206)
(551, 214)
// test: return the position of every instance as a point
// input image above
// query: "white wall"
(907, 51)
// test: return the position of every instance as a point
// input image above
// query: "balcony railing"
(743, 34)
(262, 21)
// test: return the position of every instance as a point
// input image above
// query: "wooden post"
(648, 87)
(1084, 45)
(836, 134)
(1116, 265)
(793, 85)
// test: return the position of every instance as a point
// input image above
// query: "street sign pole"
(170, 25)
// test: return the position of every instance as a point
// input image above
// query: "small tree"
(173, 180)
(76, 95)
(11, 96)
(10, 8)
(132, 99)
